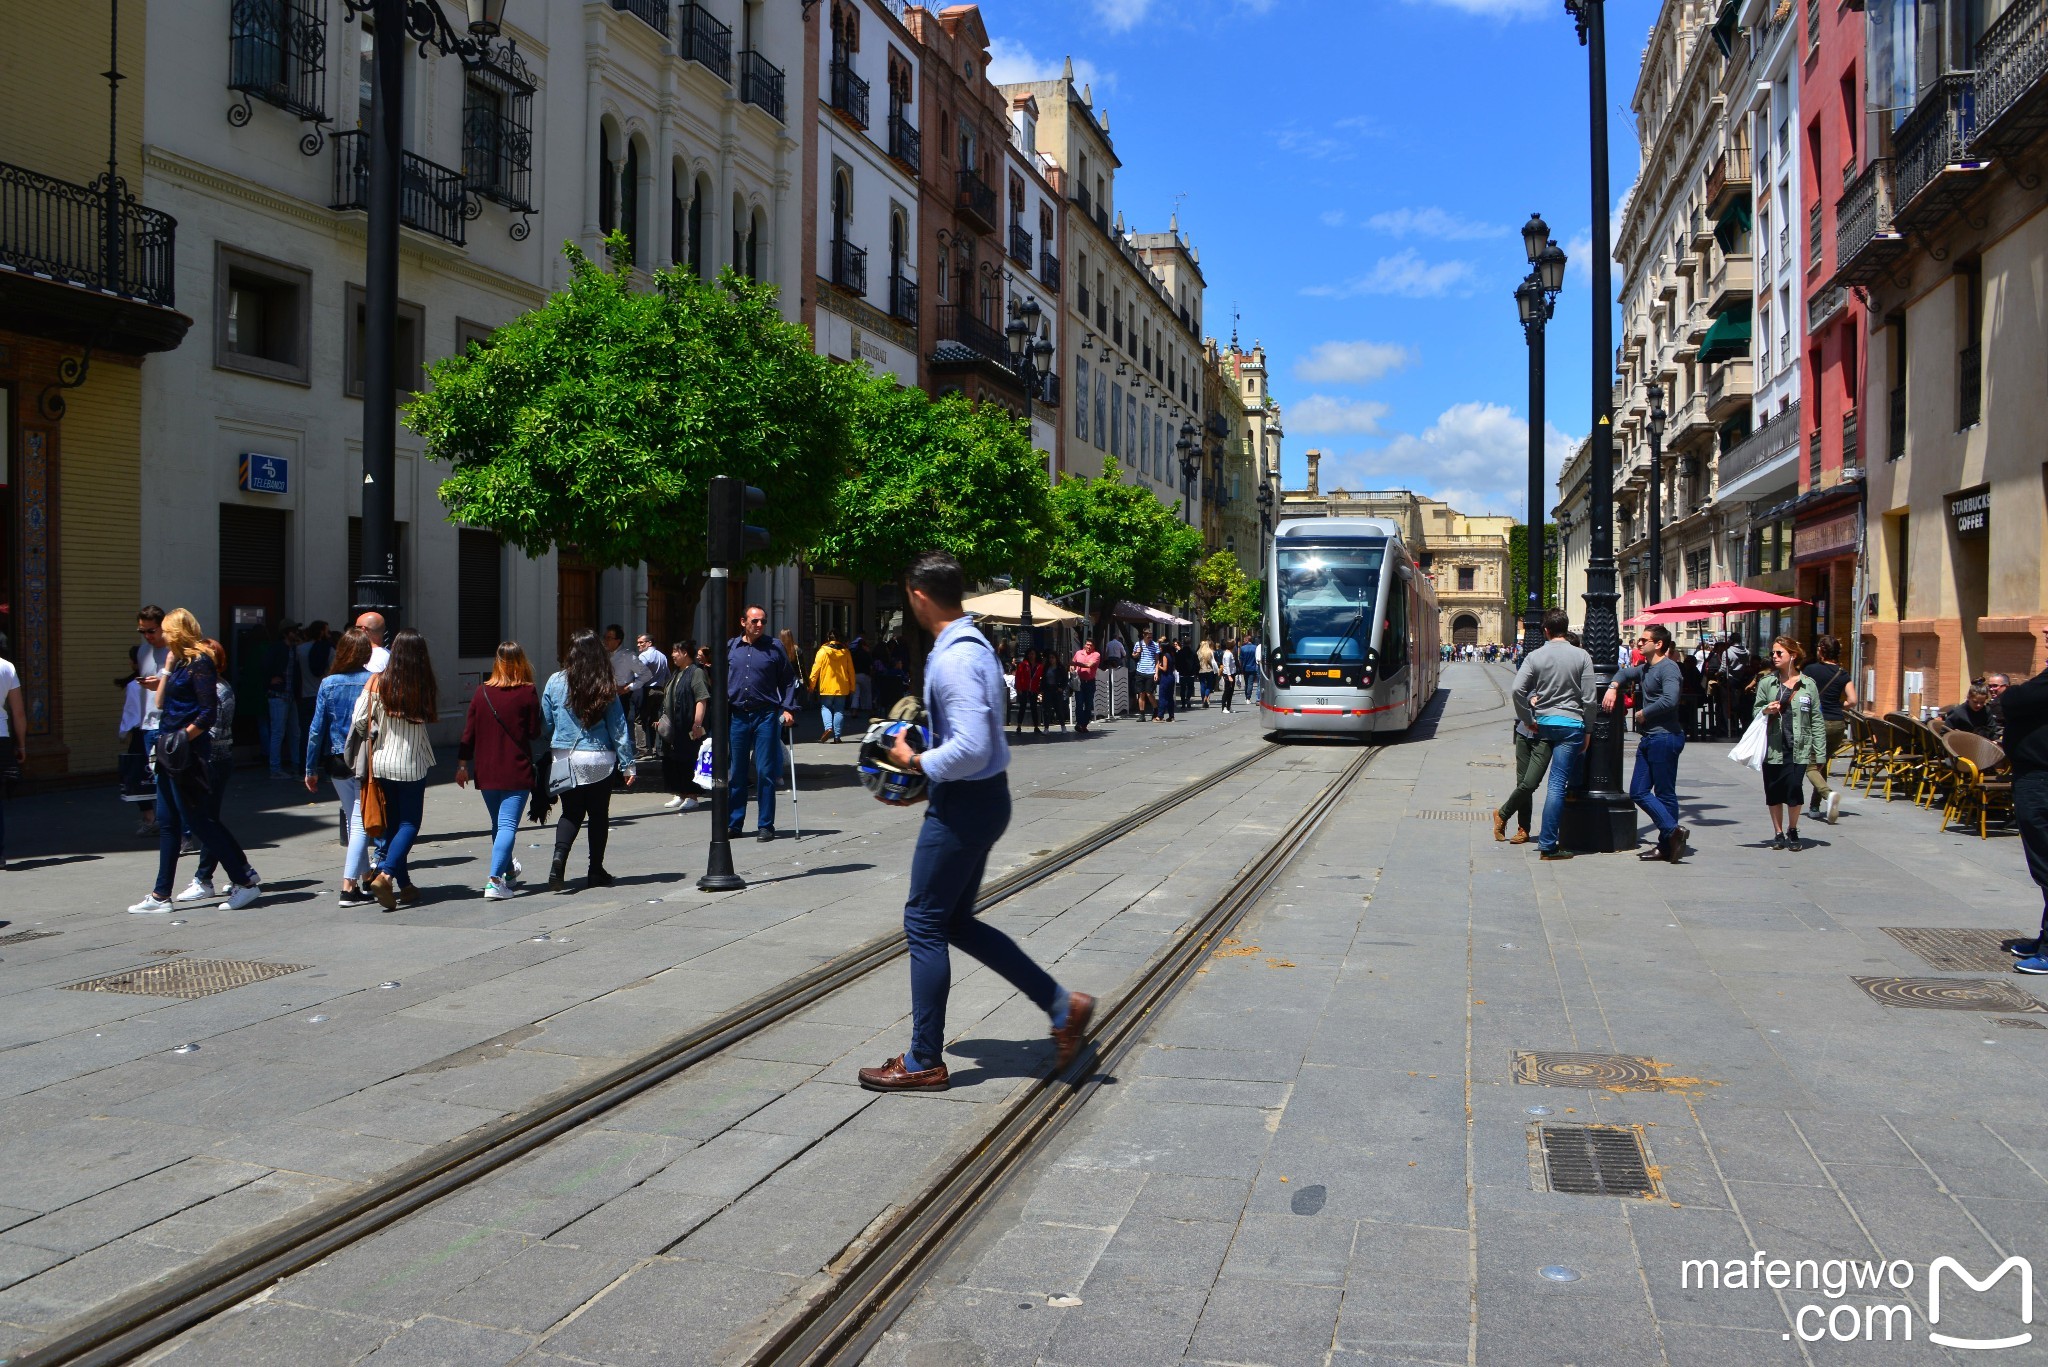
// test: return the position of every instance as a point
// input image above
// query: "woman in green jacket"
(1798, 735)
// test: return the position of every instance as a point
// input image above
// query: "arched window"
(678, 221)
(607, 182)
(842, 202)
(899, 243)
(700, 199)
(629, 201)
(739, 236)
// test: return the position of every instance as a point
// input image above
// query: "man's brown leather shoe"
(1500, 827)
(1066, 1039)
(1520, 837)
(890, 1077)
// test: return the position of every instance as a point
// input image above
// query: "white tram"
(1351, 629)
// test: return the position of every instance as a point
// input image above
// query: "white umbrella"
(1006, 606)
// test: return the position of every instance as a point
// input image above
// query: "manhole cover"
(1487, 763)
(1550, 1069)
(187, 978)
(2009, 1023)
(22, 937)
(1949, 994)
(163, 953)
(1442, 814)
(1958, 949)
(1595, 1160)
(1066, 794)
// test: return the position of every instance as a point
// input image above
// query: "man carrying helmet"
(969, 793)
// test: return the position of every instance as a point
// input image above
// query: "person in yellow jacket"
(832, 681)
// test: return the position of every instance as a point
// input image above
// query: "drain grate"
(1595, 1160)
(1487, 763)
(163, 953)
(22, 937)
(187, 978)
(2011, 1023)
(1957, 949)
(1447, 814)
(1604, 1071)
(1949, 994)
(1066, 794)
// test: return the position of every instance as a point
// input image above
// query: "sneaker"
(151, 905)
(198, 890)
(354, 897)
(385, 891)
(518, 871)
(187, 847)
(1793, 842)
(1778, 841)
(2033, 963)
(693, 804)
(765, 834)
(1833, 812)
(674, 804)
(498, 890)
(246, 894)
(2023, 949)
(1549, 855)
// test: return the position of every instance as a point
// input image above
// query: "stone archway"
(1464, 630)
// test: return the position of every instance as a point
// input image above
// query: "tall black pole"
(376, 587)
(1656, 395)
(1532, 613)
(1603, 819)
(1027, 369)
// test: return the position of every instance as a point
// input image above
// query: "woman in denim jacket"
(588, 739)
(1798, 735)
(326, 738)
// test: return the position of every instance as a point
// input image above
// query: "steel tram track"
(127, 1329)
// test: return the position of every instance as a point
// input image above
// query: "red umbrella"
(1723, 597)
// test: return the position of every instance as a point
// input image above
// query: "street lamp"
(1536, 301)
(1605, 819)
(1264, 499)
(1189, 458)
(1656, 392)
(377, 588)
(1025, 333)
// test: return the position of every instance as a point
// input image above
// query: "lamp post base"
(721, 882)
(1600, 823)
(1532, 630)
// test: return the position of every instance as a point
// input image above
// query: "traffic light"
(731, 536)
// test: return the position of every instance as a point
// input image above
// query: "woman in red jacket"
(498, 736)
(1030, 680)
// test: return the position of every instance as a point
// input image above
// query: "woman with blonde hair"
(333, 710)
(395, 710)
(503, 724)
(220, 767)
(1798, 737)
(188, 704)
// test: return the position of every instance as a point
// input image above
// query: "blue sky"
(1355, 175)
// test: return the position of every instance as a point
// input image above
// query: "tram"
(1351, 629)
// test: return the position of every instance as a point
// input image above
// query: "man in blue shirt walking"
(760, 690)
(969, 793)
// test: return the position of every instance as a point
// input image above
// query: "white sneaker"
(1834, 807)
(674, 804)
(495, 891)
(246, 894)
(198, 890)
(693, 804)
(151, 905)
(518, 871)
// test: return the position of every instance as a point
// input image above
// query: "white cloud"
(1332, 218)
(1404, 274)
(1475, 456)
(1351, 363)
(1121, 16)
(1009, 60)
(1432, 223)
(1340, 143)
(1498, 9)
(1579, 258)
(1321, 413)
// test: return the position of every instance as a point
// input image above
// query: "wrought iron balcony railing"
(1020, 245)
(1773, 441)
(92, 235)
(958, 324)
(849, 266)
(431, 197)
(906, 144)
(2012, 78)
(1969, 385)
(849, 92)
(1049, 273)
(277, 53)
(1728, 178)
(903, 299)
(1934, 138)
(1085, 200)
(653, 13)
(977, 199)
(1852, 442)
(1864, 236)
(705, 41)
(761, 83)
(1082, 298)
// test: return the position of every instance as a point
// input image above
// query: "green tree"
(945, 475)
(596, 422)
(1118, 540)
(1518, 569)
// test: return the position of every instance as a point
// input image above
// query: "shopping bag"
(703, 775)
(1755, 743)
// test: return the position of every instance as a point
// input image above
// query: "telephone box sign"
(263, 474)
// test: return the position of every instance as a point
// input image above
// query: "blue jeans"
(1084, 703)
(832, 712)
(963, 820)
(507, 805)
(1162, 706)
(354, 864)
(277, 734)
(755, 740)
(405, 802)
(1654, 786)
(1567, 753)
(220, 767)
(183, 806)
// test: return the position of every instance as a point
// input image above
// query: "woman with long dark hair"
(503, 724)
(334, 708)
(1798, 737)
(398, 705)
(588, 740)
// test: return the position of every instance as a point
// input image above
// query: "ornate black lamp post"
(1265, 501)
(1190, 461)
(1603, 819)
(377, 588)
(1656, 492)
(1536, 300)
(1025, 333)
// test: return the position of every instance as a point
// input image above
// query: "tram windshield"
(1327, 594)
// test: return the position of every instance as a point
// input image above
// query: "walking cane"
(796, 817)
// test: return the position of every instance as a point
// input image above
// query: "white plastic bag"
(703, 774)
(1755, 743)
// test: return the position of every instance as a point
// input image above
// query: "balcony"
(1728, 181)
(1049, 273)
(2012, 96)
(1823, 307)
(1813, 238)
(1689, 424)
(653, 13)
(761, 83)
(1895, 435)
(903, 300)
(277, 53)
(1933, 145)
(906, 144)
(976, 201)
(1702, 231)
(706, 42)
(1852, 445)
(85, 265)
(849, 266)
(1776, 441)
(1102, 219)
(1731, 282)
(1082, 298)
(1865, 242)
(431, 198)
(1729, 388)
(1969, 386)
(1020, 245)
(1085, 200)
(849, 93)
(958, 324)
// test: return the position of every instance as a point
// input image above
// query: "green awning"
(1724, 28)
(1728, 337)
(1733, 225)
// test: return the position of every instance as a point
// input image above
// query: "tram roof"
(1338, 529)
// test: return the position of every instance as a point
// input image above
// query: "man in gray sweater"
(1660, 730)
(1553, 690)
